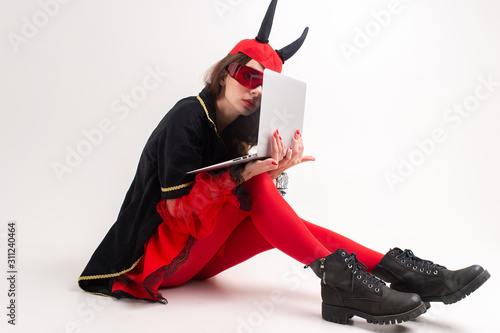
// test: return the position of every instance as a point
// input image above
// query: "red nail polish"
(277, 131)
(274, 163)
(298, 132)
(295, 137)
(274, 134)
(290, 147)
(281, 138)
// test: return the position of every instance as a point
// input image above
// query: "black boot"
(431, 281)
(348, 290)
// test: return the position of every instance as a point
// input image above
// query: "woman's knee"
(262, 187)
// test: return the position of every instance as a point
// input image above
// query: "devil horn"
(288, 51)
(267, 23)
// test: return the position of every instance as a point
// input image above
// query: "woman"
(175, 227)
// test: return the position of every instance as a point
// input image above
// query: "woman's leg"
(204, 249)
(333, 241)
(278, 223)
(274, 220)
(245, 242)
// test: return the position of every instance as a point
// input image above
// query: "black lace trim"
(243, 198)
(235, 174)
(154, 279)
(243, 194)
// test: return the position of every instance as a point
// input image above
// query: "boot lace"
(408, 257)
(359, 272)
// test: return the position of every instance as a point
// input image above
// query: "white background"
(364, 114)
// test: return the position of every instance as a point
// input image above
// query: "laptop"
(282, 108)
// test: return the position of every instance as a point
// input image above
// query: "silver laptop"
(282, 108)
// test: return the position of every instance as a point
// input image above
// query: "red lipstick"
(249, 103)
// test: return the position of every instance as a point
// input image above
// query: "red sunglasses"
(248, 77)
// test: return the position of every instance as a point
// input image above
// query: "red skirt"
(195, 216)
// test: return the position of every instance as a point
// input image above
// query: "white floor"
(270, 293)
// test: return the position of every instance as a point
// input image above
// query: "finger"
(289, 152)
(275, 145)
(279, 147)
(297, 151)
(307, 159)
(299, 138)
(262, 166)
(287, 157)
(269, 164)
(300, 144)
(283, 149)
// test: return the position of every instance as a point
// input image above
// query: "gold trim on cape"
(107, 276)
(178, 187)
(206, 112)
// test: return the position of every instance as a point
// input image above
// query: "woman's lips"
(249, 103)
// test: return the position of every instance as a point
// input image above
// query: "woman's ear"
(222, 77)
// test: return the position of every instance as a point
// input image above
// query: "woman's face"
(244, 101)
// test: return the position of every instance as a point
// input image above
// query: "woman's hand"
(294, 156)
(267, 165)
(282, 158)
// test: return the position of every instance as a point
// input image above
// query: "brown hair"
(241, 134)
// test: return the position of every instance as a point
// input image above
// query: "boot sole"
(462, 293)
(341, 315)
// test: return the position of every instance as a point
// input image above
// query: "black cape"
(185, 139)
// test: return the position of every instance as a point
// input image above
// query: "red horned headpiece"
(259, 48)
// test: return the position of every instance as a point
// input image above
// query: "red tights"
(271, 223)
